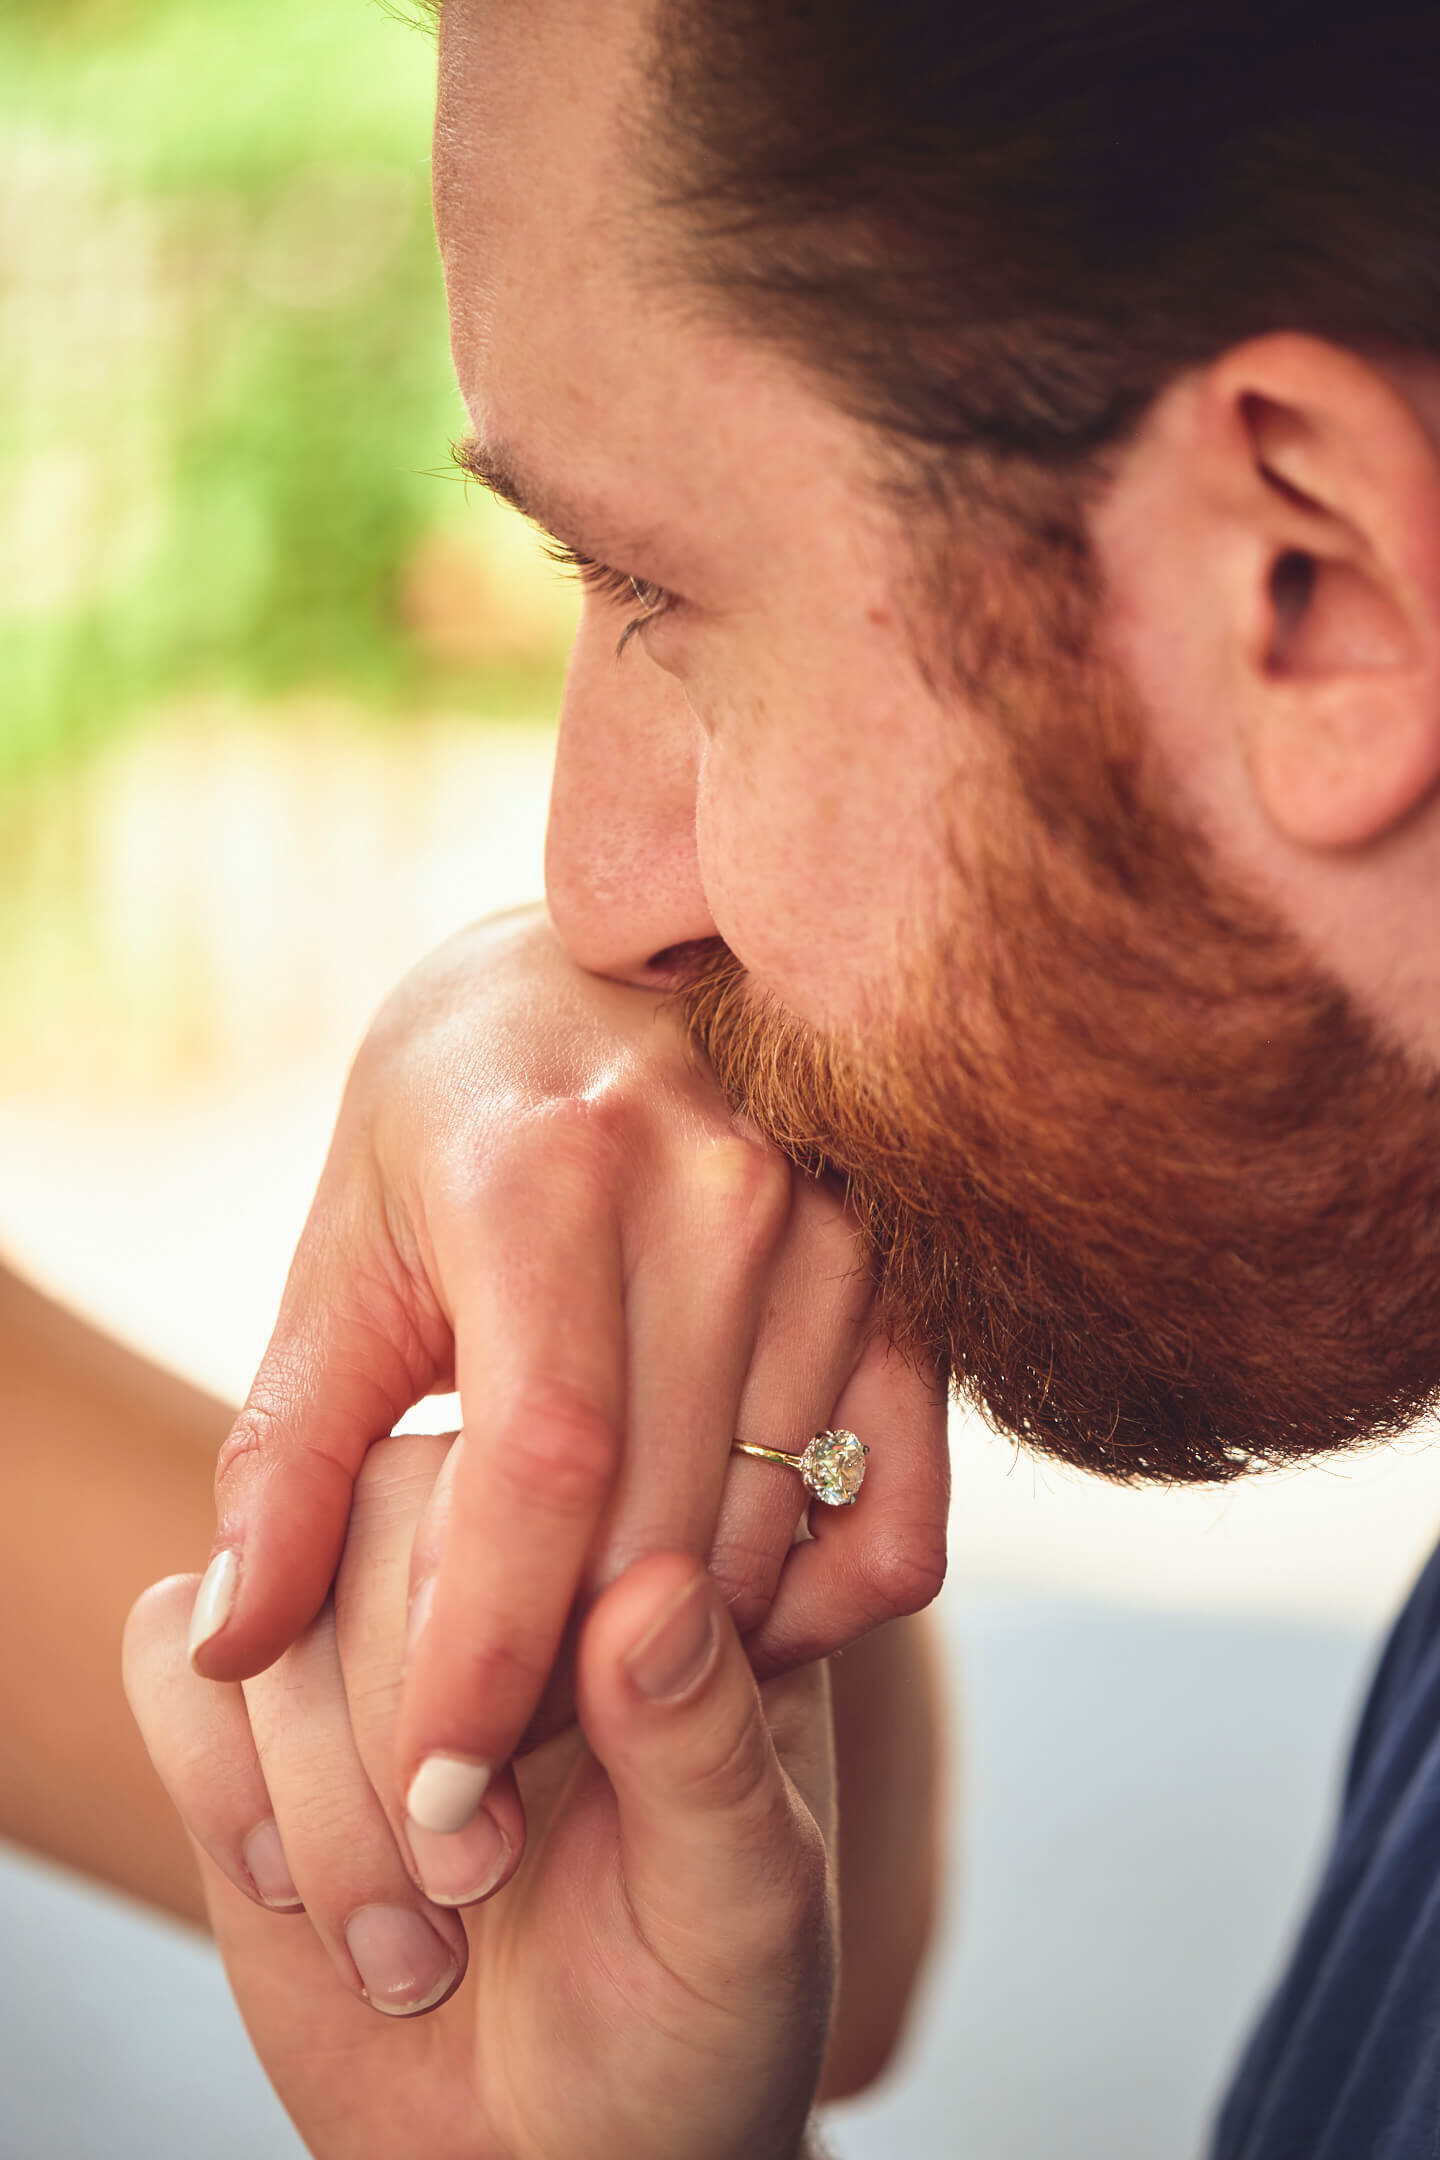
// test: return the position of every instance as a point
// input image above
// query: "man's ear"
(1313, 491)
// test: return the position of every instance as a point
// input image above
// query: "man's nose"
(621, 870)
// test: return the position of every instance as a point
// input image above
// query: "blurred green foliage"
(225, 393)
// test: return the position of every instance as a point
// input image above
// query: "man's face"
(1111, 1136)
(764, 761)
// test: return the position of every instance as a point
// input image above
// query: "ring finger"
(816, 1324)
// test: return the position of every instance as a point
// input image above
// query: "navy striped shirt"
(1345, 2063)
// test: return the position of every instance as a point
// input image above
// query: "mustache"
(825, 1104)
(795, 1084)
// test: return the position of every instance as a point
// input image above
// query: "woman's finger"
(568, 1343)
(358, 1340)
(392, 1493)
(817, 1315)
(538, 1306)
(884, 1556)
(198, 1735)
(701, 1270)
(387, 1943)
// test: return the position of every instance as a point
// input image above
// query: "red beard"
(1161, 1202)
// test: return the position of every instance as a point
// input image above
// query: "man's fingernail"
(420, 1606)
(264, 1856)
(445, 1792)
(460, 1869)
(214, 1600)
(402, 1963)
(675, 1650)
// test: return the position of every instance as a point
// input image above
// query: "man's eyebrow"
(587, 529)
(494, 466)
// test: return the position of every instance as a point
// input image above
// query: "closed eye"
(614, 585)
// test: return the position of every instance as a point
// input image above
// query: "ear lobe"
(1339, 719)
(1337, 762)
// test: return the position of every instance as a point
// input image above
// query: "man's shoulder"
(1346, 2059)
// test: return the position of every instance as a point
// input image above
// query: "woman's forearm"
(107, 1485)
(890, 1749)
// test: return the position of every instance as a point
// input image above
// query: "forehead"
(528, 162)
(553, 328)
(575, 349)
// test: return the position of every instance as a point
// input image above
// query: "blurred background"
(276, 690)
(276, 714)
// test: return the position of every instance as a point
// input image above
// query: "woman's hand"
(536, 1192)
(656, 1979)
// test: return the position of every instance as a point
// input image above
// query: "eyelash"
(616, 586)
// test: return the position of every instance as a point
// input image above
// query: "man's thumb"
(721, 1856)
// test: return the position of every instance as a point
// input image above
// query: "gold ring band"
(832, 1464)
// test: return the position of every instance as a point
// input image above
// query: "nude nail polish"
(445, 1792)
(214, 1600)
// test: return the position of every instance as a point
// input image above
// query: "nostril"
(676, 965)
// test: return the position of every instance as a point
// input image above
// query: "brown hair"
(1006, 224)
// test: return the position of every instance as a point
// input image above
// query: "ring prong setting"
(833, 1467)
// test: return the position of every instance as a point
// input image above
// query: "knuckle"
(557, 1448)
(746, 1574)
(505, 1674)
(749, 1605)
(740, 1186)
(902, 1571)
(584, 1127)
(257, 1434)
(729, 1767)
(565, 1147)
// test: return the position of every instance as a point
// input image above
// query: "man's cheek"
(755, 867)
(773, 914)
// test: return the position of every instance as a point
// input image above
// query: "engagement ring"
(832, 1466)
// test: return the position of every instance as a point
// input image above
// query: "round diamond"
(833, 1466)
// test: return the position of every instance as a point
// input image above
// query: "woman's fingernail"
(460, 1869)
(214, 1600)
(402, 1963)
(673, 1653)
(445, 1792)
(420, 1606)
(264, 1856)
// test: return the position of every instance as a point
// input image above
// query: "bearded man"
(1002, 446)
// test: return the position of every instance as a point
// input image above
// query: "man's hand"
(536, 1192)
(655, 1981)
